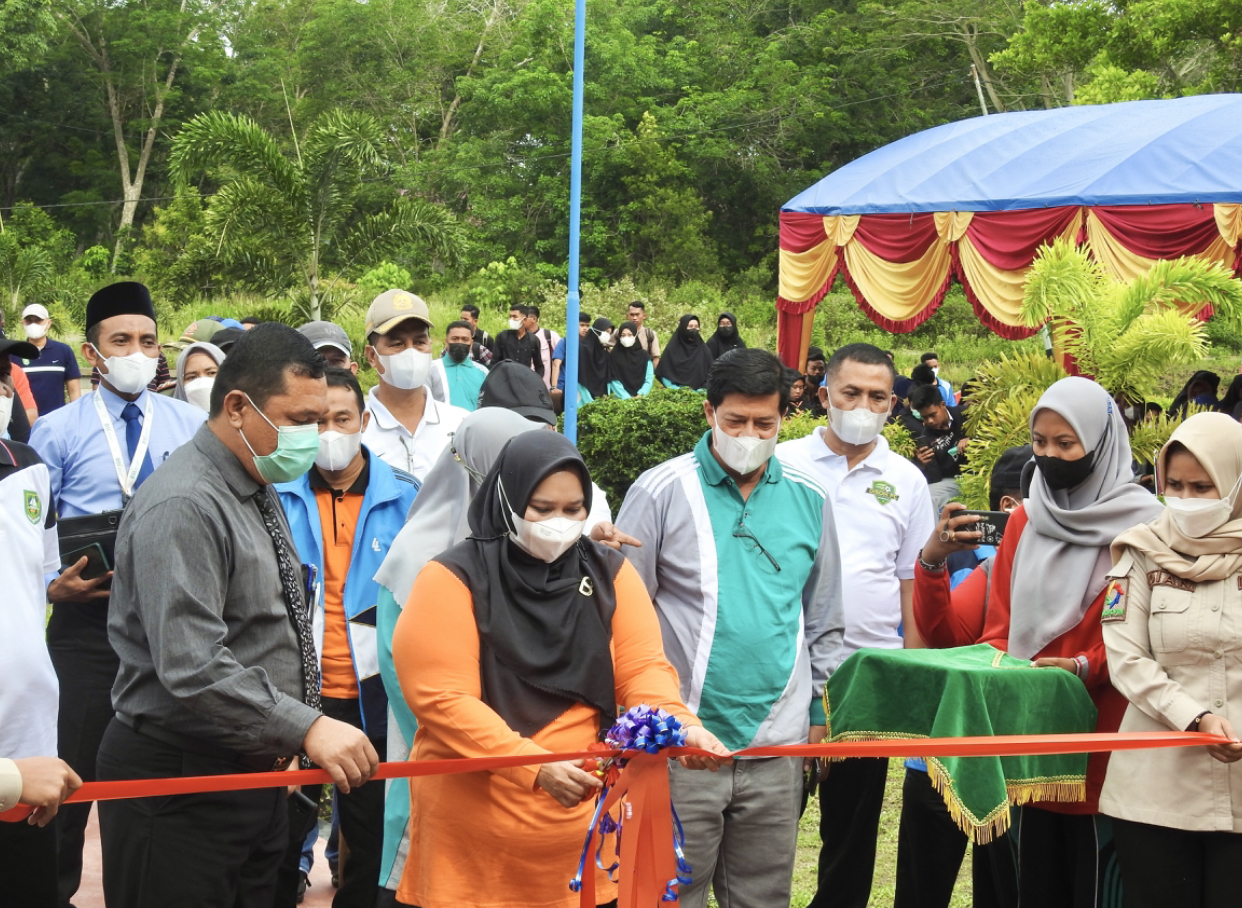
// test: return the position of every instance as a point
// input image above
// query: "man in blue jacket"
(344, 514)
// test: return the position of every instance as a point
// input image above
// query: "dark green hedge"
(619, 439)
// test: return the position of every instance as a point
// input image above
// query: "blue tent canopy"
(1133, 153)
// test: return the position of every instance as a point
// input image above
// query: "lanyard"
(126, 479)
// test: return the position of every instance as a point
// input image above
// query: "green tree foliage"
(1090, 52)
(26, 26)
(290, 216)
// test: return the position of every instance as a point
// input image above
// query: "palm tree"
(22, 268)
(282, 217)
(1124, 335)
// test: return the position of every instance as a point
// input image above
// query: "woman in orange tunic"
(522, 640)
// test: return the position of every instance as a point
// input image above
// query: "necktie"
(133, 431)
(292, 588)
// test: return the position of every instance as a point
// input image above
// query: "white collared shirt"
(883, 509)
(415, 452)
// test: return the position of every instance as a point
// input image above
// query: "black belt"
(204, 748)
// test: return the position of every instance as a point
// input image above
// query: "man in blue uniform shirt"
(98, 450)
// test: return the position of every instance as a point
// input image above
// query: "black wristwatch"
(1194, 726)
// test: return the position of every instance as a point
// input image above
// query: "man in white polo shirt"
(409, 427)
(29, 691)
(884, 501)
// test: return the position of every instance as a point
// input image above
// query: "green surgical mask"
(296, 448)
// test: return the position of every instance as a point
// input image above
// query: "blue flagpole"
(575, 215)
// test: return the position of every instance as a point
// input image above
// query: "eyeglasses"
(742, 531)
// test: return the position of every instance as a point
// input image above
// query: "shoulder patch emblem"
(884, 492)
(1114, 602)
(34, 507)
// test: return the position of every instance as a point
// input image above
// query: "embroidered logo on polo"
(884, 492)
(1114, 602)
(34, 507)
(1164, 578)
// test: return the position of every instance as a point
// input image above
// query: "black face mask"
(725, 330)
(1065, 474)
(458, 352)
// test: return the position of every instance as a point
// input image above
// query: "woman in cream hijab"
(1173, 631)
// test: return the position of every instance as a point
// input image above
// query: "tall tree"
(140, 50)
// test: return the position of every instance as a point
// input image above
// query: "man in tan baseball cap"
(408, 426)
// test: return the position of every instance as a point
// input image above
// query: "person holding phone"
(1048, 592)
(99, 450)
(939, 432)
(950, 605)
(1171, 631)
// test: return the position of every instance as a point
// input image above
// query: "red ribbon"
(647, 856)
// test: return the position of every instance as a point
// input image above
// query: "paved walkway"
(319, 895)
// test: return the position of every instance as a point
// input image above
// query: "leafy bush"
(619, 439)
(384, 276)
(799, 426)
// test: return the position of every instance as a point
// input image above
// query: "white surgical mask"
(337, 450)
(605, 337)
(198, 391)
(858, 426)
(546, 540)
(1133, 413)
(936, 371)
(1199, 517)
(743, 453)
(406, 370)
(628, 340)
(514, 324)
(130, 374)
(6, 414)
(35, 331)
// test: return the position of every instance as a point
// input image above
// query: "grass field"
(886, 852)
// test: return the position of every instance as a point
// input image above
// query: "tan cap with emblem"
(391, 308)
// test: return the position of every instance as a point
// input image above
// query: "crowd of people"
(266, 568)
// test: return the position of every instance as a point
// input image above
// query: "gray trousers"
(942, 493)
(741, 826)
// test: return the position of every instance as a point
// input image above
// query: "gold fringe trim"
(860, 736)
(982, 830)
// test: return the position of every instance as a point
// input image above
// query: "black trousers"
(850, 801)
(362, 827)
(1066, 860)
(28, 865)
(930, 848)
(86, 667)
(1175, 868)
(215, 850)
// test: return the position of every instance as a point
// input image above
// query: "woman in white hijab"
(1046, 599)
(1172, 627)
(197, 365)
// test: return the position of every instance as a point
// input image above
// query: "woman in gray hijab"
(197, 365)
(1049, 591)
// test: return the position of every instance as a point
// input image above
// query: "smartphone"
(991, 524)
(97, 563)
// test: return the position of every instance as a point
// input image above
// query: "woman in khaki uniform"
(1173, 630)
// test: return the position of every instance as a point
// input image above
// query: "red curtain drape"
(1161, 231)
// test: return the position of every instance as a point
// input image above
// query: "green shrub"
(800, 425)
(619, 439)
